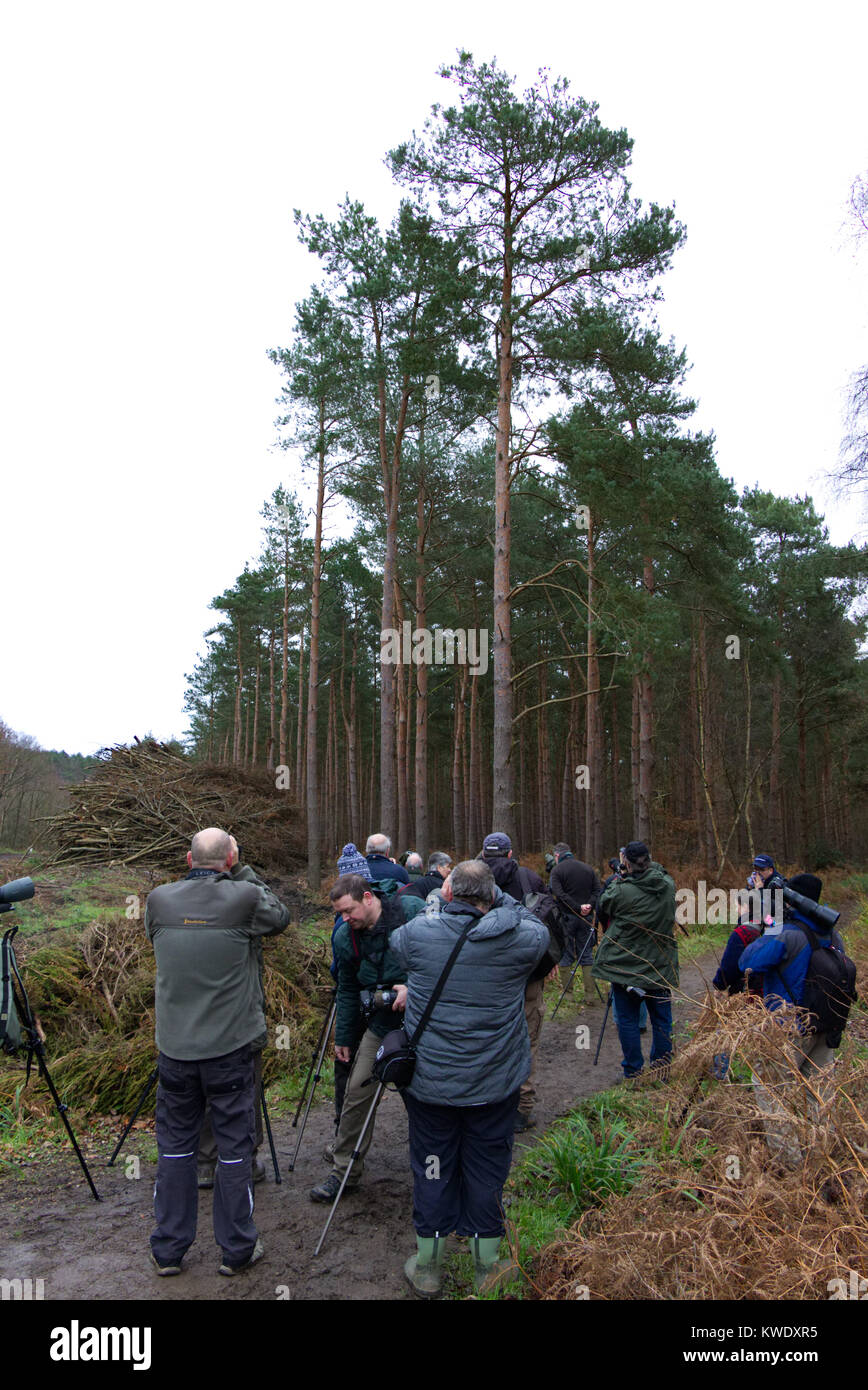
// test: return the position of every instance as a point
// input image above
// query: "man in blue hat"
(769, 882)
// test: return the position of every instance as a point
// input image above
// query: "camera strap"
(438, 988)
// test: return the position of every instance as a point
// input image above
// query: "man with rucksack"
(528, 889)
(802, 963)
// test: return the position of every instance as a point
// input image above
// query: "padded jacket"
(475, 1049)
(639, 946)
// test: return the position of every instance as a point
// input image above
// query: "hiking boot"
(523, 1122)
(205, 1175)
(489, 1272)
(328, 1190)
(258, 1170)
(258, 1252)
(423, 1270)
(165, 1270)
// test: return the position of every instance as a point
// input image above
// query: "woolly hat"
(636, 850)
(764, 861)
(351, 862)
(496, 846)
(808, 885)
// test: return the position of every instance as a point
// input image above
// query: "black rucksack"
(543, 906)
(830, 988)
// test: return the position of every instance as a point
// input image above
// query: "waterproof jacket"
(639, 946)
(365, 959)
(782, 958)
(205, 932)
(475, 1050)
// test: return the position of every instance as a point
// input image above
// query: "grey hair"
(413, 861)
(473, 881)
(437, 860)
(378, 844)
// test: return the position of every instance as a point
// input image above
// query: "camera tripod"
(13, 990)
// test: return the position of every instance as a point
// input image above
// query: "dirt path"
(54, 1231)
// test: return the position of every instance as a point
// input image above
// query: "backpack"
(830, 988)
(543, 906)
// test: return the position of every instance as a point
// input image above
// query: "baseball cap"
(493, 846)
(764, 861)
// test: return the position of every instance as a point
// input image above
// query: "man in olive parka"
(639, 955)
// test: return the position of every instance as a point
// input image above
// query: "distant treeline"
(33, 783)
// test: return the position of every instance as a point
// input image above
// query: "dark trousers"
(183, 1088)
(207, 1141)
(579, 939)
(626, 1006)
(460, 1156)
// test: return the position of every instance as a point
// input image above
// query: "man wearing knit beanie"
(352, 862)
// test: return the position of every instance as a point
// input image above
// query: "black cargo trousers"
(227, 1083)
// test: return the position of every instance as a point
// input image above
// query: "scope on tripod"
(825, 917)
(15, 892)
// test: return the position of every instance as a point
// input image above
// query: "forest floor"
(54, 1231)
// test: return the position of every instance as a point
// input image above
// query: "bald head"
(210, 849)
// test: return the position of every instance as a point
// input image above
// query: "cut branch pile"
(144, 803)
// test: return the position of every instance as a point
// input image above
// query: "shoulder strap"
(438, 988)
(525, 881)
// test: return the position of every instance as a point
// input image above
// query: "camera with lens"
(373, 999)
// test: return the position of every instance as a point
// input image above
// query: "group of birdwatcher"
(439, 980)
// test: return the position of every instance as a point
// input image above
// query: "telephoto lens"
(16, 891)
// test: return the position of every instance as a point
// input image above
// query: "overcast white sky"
(153, 156)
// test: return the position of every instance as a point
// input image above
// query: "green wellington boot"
(592, 998)
(489, 1270)
(423, 1270)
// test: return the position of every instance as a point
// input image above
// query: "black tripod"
(315, 1065)
(146, 1090)
(32, 1040)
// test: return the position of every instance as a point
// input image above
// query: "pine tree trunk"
(299, 764)
(423, 829)
(458, 827)
(313, 811)
(284, 686)
(269, 753)
(503, 778)
(594, 726)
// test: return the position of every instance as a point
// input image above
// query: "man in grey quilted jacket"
(471, 1061)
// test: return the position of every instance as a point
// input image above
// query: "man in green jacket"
(639, 955)
(209, 1023)
(365, 965)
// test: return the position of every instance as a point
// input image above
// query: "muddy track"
(54, 1231)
